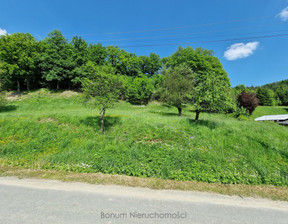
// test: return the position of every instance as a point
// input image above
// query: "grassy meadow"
(55, 131)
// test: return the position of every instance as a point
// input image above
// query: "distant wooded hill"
(275, 85)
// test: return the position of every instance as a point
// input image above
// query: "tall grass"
(53, 132)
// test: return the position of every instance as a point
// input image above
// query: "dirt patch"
(49, 119)
(13, 96)
(68, 94)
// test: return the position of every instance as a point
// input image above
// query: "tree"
(282, 94)
(150, 65)
(56, 62)
(240, 88)
(123, 62)
(212, 95)
(248, 101)
(18, 53)
(265, 96)
(101, 88)
(212, 91)
(97, 54)
(178, 86)
(80, 57)
(138, 90)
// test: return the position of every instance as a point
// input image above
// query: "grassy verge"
(271, 192)
(53, 131)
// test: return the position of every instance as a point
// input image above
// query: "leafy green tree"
(240, 88)
(265, 96)
(282, 94)
(101, 88)
(123, 62)
(150, 65)
(138, 90)
(80, 58)
(212, 95)
(18, 53)
(178, 86)
(97, 54)
(212, 91)
(281, 91)
(56, 62)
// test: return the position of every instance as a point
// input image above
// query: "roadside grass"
(260, 191)
(49, 131)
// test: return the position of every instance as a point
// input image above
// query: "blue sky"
(234, 30)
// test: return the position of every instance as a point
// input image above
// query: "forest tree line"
(188, 76)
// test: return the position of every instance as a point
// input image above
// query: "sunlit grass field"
(53, 131)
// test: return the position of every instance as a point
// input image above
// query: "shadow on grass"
(207, 123)
(165, 113)
(7, 108)
(95, 122)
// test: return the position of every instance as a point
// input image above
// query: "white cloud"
(240, 50)
(283, 15)
(2, 32)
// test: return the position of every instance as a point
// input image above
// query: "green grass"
(48, 131)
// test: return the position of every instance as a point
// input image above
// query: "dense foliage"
(272, 94)
(212, 91)
(58, 64)
(248, 101)
(178, 86)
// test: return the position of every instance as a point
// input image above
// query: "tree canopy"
(178, 86)
(101, 88)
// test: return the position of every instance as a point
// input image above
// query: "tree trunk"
(18, 86)
(102, 120)
(28, 85)
(57, 85)
(179, 111)
(197, 115)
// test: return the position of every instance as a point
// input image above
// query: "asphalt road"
(53, 202)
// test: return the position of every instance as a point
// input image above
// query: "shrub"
(241, 112)
(247, 101)
(139, 90)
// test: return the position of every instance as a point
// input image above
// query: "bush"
(241, 112)
(247, 101)
(2, 97)
(2, 100)
(139, 90)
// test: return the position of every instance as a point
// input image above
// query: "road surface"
(35, 201)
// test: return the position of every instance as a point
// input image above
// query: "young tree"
(248, 101)
(211, 94)
(178, 86)
(101, 88)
